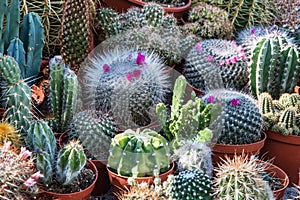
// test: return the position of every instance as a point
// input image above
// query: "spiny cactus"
(169, 3)
(95, 130)
(215, 59)
(239, 178)
(139, 153)
(208, 21)
(241, 119)
(9, 133)
(275, 66)
(287, 123)
(127, 82)
(191, 184)
(108, 21)
(153, 14)
(76, 33)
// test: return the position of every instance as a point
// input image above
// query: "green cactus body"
(108, 21)
(16, 50)
(9, 70)
(153, 14)
(139, 153)
(241, 118)
(266, 103)
(70, 161)
(192, 184)
(216, 63)
(44, 163)
(95, 130)
(287, 123)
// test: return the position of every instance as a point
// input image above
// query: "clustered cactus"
(169, 3)
(139, 153)
(281, 115)
(240, 120)
(216, 63)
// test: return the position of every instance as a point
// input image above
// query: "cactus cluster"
(240, 121)
(217, 63)
(64, 89)
(127, 82)
(24, 41)
(208, 21)
(240, 178)
(17, 173)
(281, 115)
(139, 153)
(76, 36)
(94, 129)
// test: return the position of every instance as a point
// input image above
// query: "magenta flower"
(198, 47)
(242, 56)
(137, 73)
(234, 59)
(211, 99)
(233, 42)
(36, 176)
(210, 58)
(29, 183)
(228, 62)
(253, 31)
(140, 60)
(129, 76)
(235, 102)
(24, 154)
(106, 68)
(7, 146)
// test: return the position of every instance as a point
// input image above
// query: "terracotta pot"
(102, 185)
(81, 195)
(119, 183)
(220, 150)
(123, 5)
(62, 138)
(285, 152)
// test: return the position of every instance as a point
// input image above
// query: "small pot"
(81, 195)
(219, 151)
(119, 183)
(102, 185)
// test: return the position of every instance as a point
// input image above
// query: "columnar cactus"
(241, 118)
(139, 153)
(215, 59)
(191, 184)
(108, 21)
(239, 178)
(95, 130)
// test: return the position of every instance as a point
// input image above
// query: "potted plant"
(239, 125)
(141, 155)
(281, 122)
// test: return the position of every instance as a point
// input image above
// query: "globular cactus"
(127, 82)
(16, 174)
(241, 120)
(64, 89)
(191, 184)
(95, 130)
(153, 14)
(70, 161)
(215, 59)
(208, 21)
(240, 178)
(275, 66)
(139, 153)
(9, 133)
(76, 36)
(268, 110)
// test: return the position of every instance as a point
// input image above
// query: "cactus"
(153, 14)
(139, 153)
(64, 91)
(191, 184)
(287, 123)
(241, 118)
(108, 21)
(215, 59)
(15, 170)
(95, 130)
(239, 178)
(127, 82)
(275, 66)
(70, 161)
(9, 133)
(76, 33)
(169, 3)
(208, 21)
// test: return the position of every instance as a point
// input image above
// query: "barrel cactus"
(216, 63)
(241, 118)
(191, 184)
(153, 14)
(139, 153)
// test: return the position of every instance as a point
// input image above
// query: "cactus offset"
(139, 153)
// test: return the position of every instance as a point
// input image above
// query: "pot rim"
(289, 139)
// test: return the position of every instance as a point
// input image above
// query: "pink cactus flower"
(29, 183)
(129, 76)
(228, 62)
(140, 60)
(7, 146)
(253, 31)
(233, 42)
(235, 102)
(198, 47)
(211, 99)
(37, 175)
(137, 73)
(234, 59)
(242, 56)
(106, 68)
(210, 58)
(24, 154)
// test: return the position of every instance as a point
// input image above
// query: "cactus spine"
(9, 133)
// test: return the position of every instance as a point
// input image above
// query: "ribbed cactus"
(139, 153)
(64, 90)
(127, 82)
(108, 21)
(215, 59)
(241, 118)
(287, 123)
(239, 178)
(169, 3)
(191, 184)
(70, 161)
(76, 36)
(95, 130)
(275, 66)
